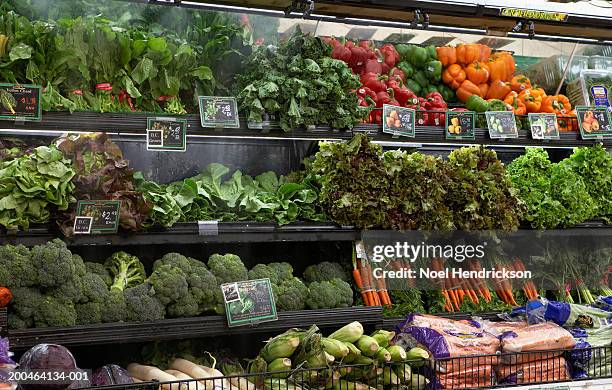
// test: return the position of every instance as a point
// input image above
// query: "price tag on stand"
(82, 225)
(249, 302)
(104, 215)
(20, 102)
(460, 124)
(501, 125)
(360, 250)
(166, 134)
(594, 122)
(398, 120)
(218, 112)
(544, 126)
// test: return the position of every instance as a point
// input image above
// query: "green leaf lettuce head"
(300, 83)
(33, 185)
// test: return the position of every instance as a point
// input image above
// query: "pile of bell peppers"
(403, 75)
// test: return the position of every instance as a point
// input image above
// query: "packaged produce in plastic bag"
(547, 370)
(6, 364)
(446, 339)
(569, 314)
(589, 359)
(548, 337)
(473, 377)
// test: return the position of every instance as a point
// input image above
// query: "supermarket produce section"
(225, 195)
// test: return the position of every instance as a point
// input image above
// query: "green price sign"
(167, 134)
(544, 126)
(398, 120)
(249, 302)
(104, 215)
(460, 124)
(20, 102)
(218, 112)
(501, 124)
(594, 122)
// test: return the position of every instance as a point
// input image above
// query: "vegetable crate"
(466, 372)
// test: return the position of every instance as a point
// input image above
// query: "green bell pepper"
(447, 93)
(406, 68)
(418, 57)
(405, 51)
(431, 52)
(413, 86)
(432, 88)
(497, 105)
(476, 103)
(433, 70)
(419, 77)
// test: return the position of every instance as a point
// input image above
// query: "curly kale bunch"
(276, 272)
(325, 271)
(481, 195)
(353, 180)
(329, 294)
(569, 189)
(290, 294)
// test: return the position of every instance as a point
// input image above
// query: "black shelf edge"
(187, 233)
(133, 126)
(229, 232)
(173, 329)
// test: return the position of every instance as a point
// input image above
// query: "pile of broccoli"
(53, 287)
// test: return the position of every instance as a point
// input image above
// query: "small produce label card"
(82, 225)
(460, 124)
(398, 120)
(249, 302)
(544, 126)
(218, 112)
(594, 122)
(501, 125)
(167, 134)
(104, 214)
(20, 102)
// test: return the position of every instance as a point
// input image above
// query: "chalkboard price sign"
(398, 120)
(460, 124)
(104, 214)
(501, 124)
(167, 134)
(218, 112)
(249, 302)
(20, 102)
(544, 126)
(594, 122)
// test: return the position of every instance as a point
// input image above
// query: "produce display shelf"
(389, 323)
(133, 125)
(189, 233)
(183, 328)
(228, 232)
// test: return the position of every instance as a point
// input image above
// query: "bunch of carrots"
(373, 290)
(531, 292)
(455, 291)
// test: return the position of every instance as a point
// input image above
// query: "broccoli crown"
(127, 271)
(69, 291)
(187, 306)
(114, 309)
(88, 313)
(54, 262)
(169, 283)
(142, 305)
(94, 288)
(325, 271)
(26, 301)
(16, 267)
(100, 270)
(79, 265)
(329, 294)
(276, 272)
(290, 294)
(227, 268)
(203, 287)
(177, 260)
(53, 312)
(16, 322)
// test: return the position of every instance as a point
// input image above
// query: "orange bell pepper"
(484, 88)
(568, 123)
(520, 83)
(477, 73)
(485, 53)
(468, 53)
(466, 90)
(508, 60)
(498, 90)
(498, 70)
(447, 55)
(453, 76)
(558, 104)
(518, 107)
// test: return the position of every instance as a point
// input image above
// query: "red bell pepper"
(373, 66)
(397, 72)
(342, 53)
(376, 116)
(358, 57)
(366, 92)
(372, 81)
(435, 108)
(386, 97)
(391, 55)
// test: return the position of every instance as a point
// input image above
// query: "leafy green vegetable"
(299, 82)
(33, 185)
